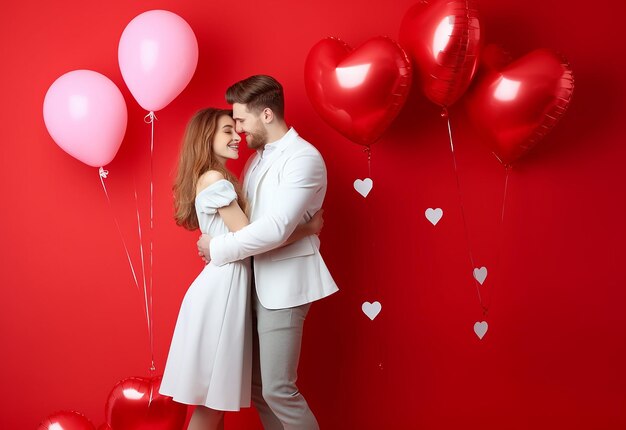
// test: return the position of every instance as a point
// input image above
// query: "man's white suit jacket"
(289, 190)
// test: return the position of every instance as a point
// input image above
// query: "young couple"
(239, 329)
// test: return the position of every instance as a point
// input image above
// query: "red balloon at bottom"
(66, 420)
(135, 404)
(515, 106)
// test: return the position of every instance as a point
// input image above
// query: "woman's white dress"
(210, 357)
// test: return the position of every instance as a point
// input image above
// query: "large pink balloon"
(158, 54)
(86, 115)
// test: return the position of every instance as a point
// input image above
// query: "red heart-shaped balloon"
(358, 92)
(66, 420)
(514, 107)
(442, 37)
(135, 404)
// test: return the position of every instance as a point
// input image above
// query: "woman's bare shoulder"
(208, 178)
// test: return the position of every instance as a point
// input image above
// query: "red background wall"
(72, 323)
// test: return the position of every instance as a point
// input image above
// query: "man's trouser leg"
(275, 371)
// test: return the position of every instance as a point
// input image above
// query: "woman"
(209, 363)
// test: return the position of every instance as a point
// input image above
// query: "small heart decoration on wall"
(480, 328)
(371, 309)
(363, 187)
(434, 215)
(480, 274)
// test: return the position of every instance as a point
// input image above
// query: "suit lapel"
(266, 166)
(246, 170)
(259, 178)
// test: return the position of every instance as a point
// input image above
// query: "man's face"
(251, 125)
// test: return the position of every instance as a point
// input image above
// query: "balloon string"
(368, 151)
(458, 185)
(501, 240)
(373, 284)
(103, 174)
(151, 388)
(372, 291)
(379, 327)
(143, 269)
(152, 118)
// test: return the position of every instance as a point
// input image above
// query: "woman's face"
(226, 140)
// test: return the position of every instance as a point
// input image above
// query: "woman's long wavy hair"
(196, 158)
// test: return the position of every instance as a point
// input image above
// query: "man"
(285, 182)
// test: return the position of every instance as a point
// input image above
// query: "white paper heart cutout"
(371, 309)
(480, 274)
(363, 187)
(480, 328)
(434, 215)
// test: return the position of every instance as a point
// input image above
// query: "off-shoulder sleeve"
(215, 196)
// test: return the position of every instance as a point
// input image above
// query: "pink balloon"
(158, 54)
(85, 113)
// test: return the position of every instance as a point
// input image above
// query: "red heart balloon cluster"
(359, 92)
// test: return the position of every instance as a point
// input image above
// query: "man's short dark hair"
(257, 93)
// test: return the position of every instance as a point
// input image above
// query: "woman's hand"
(313, 226)
(316, 223)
